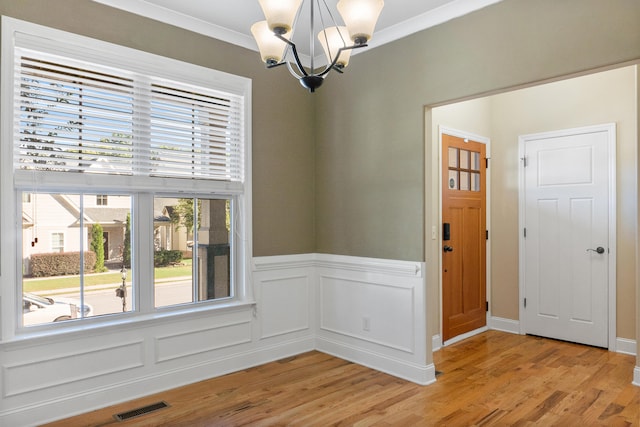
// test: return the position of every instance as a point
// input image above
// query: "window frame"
(57, 249)
(143, 190)
(102, 200)
(233, 242)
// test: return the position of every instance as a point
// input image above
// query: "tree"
(97, 246)
(37, 139)
(126, 250)
(182, 214)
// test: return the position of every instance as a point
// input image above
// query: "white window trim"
(61, 42)
(64, 239)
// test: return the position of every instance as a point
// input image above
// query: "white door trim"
(487, 142)
(610, 128)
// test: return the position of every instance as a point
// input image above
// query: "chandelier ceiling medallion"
(274, 35)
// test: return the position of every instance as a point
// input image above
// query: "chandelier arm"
(293, 72)
(312, 26)
(277, 64)
(335, 59)
(295, 53)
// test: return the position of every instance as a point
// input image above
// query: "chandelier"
(274, 35)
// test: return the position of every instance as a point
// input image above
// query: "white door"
(566, 236)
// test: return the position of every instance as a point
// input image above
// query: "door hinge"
(486, 234)
(525, 232)
(486, 160)
(524, 161)
(525, 303)
(486, 306)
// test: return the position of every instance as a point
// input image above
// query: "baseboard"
(626, 346)
(68, 406)
(623, 345)
(636, 376)
(419, 374)
(465, 336)
(504, 325)
(436, 342)
(495, 323)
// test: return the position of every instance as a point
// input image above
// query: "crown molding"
(417, 23)
(429, 19)
(167, 16)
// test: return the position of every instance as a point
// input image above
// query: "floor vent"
(140, 411)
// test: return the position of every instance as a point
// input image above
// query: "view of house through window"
(192, 250)
(61, 233)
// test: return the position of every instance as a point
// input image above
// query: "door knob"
(599, 250)
(447, 248)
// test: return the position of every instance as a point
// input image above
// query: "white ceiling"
(230, 20)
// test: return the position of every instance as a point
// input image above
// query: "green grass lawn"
(61, 282)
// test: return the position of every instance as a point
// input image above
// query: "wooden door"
(566, 250)
(464, 253)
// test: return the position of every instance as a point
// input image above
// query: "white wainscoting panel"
(284, 305)
(39, 371)
(283, 286)
(373, 312)
(185, 344)
(369, 311)
(49, 378)
(363, 309)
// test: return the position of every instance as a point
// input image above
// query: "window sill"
(129, 321)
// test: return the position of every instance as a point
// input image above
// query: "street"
(105, 301)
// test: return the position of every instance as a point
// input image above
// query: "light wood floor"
(493, 379)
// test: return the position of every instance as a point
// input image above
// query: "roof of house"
(107, 216)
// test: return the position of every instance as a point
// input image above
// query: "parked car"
(37, 310)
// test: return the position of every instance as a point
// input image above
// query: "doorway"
(602, 97)
(567, 247)
(464, 234)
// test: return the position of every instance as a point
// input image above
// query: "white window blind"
(76, 117)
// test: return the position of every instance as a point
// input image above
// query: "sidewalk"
(102, 287)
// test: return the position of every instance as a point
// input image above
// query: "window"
(45, 270)
(141, 161)
(57, 242)
(101, 200)
(193, 237)
(464, 170)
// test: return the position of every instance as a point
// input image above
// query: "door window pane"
(475, 161)
(453, 157)
(453, 180)
(475, 181)
(464, 159)
(464, 181)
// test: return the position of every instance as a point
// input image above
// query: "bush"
(97, 246)
(163, 257)
(60, 264)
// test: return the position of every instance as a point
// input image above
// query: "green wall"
(372, 195)
(283, 132)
